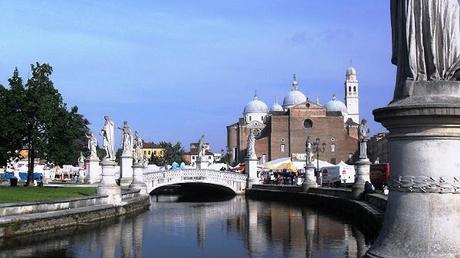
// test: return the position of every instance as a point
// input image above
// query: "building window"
(354, 89)
(282, 147)
(349, 89)
(193, 157)
(308, 123)
(333, 147)
(155, 153)
(250, 118)
(150, 152)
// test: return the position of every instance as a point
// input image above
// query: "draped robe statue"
(426, 41)
(127, 139)
(363, 131)
(138, 148)
(92, 144)
(251, 153)
(108, 134)
(201, 147)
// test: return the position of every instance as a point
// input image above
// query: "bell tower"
(352, 94)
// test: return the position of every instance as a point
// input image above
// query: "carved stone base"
(126, 171)
(363, 175)
(93, 171)
(138, 181)
(108, 186)
(251, 171)
(310, 179)
(422, 218)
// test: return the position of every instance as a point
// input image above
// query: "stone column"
(422, 217)
(126, 170)
(363, 167)
(93, 171)
(138, 181)
(108, 186)
(310, 178)
(251, 171)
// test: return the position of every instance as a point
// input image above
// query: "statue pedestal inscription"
(126, 171)
(108, 186)
(310, 179)
(138, 181)
(422, 217)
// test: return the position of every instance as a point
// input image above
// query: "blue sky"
(179, 69)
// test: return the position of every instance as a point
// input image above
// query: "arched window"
(308, 123)
(354, 89)
(349, 88)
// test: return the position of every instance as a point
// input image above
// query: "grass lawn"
(33, 194)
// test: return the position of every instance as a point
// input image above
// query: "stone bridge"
(229, 181)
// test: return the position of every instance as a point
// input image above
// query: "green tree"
(172, 153)
(38, 119)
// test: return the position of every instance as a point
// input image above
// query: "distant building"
(191, 156)
(151, 149)
(377, 148)
(284, 128)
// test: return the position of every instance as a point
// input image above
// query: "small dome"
(276, 107)
(351, 71)
(295, 96)
(336, 105)
(255, 106)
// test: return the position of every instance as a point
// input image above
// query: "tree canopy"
(172, 153)
(36, 118)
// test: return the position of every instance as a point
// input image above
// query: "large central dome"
(295, 96)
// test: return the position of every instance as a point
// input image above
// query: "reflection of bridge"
(229, 181)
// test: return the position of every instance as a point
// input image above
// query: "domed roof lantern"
(295, 96)
(255, 106)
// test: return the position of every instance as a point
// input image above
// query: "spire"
(255, 95)
(295, 84)
(334, 97)
(276, 101)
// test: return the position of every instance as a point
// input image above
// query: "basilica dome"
(336, 105)
(295, 96)
(255, 106)
(276, 107)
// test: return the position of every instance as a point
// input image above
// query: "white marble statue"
(426, 41)
(108, 134)
(251, 152)
(127, 139)
(309, 151)
(138, 144)
(92, 145)
(363, 138)
(201, 147)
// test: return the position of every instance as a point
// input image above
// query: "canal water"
(197, 227)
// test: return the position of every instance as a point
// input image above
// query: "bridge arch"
(228, 181)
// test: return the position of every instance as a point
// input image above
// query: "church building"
(283, 129)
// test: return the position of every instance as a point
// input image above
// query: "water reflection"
(184, 227)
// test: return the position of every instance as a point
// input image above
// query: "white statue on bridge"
(108, 134)
(201, 147)
(251, 152)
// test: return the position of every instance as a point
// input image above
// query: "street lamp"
(317, 149)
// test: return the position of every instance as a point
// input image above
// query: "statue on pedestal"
(108, 134)
(363, 138)
(426, 41)
(309, 151)
(92, 146)
(126, 139)
(201, 147)
(251, 152)
(138, 144)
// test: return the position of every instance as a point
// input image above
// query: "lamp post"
(317, 149)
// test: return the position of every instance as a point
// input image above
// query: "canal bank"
(26, 218)
(368, 213)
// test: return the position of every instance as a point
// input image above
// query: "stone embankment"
(367, 212)
(26, 218)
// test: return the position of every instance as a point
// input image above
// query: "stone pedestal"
(46, 175)
(81, 175)
(310, 179)
(202, 163)
(126, 171)
(93, 171)
(363, 167)
(108, 186)
(138, 180)
(251, 171)
(422, 217)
